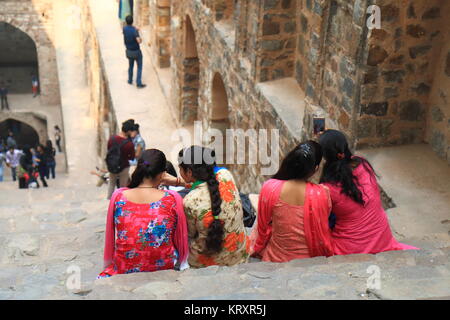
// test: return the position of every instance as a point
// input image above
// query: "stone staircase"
(44, 232)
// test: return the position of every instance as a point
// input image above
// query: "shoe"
(140, 86)
(130, 82)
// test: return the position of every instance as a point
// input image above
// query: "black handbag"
(249, 211)
(133, 54)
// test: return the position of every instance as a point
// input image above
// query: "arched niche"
(18, 59)
(220, 112)
(24, 134)
(190, 76)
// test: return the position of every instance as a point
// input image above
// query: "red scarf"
(180, 237)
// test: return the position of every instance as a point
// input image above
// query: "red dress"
(144, 236)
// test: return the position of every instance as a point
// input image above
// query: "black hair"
(129, 20)
(26, 161)
(338, 168)
(128, 125)
(150, 165)
(136, 127)
(57, 127)
(40, 146)
(49, 145)
(201, 161)
(301, 162)
(170, 169)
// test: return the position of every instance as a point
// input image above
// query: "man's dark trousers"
(139, 69)
(5, 102)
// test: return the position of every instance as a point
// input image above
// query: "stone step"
(420, 191)
(403, 275)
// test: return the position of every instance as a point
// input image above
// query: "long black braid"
(201, 162)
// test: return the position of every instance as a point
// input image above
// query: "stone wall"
(36, 121)
(34, 17)
(155, 17)
(438, 118)
(374, 84)
(100, 103)
(219, 53)
(404, 63)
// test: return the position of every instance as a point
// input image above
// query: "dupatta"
(180, 236)
(316, 211)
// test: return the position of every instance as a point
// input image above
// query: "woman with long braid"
(213, 210)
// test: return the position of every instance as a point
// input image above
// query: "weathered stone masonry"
(35, 19)
(381, 87)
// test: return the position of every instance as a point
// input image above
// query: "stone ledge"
(343, 277)
(291, 109)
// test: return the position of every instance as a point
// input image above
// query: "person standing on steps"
(34, 86)
(139, 143)
(42, 163)
(120, 152)
(10, 141)
(50, 153)
(125, 8)
(132, 41)
(4, 97)
(12, 160)
(2, 159)
(58, 138)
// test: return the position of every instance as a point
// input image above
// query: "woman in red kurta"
(146, 228)
(361, 225)
(293, 213)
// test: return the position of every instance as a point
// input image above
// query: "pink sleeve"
(181, 231)
(110, 233)
(264, 222)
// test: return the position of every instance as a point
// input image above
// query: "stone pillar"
(276, 39)
(163, 32)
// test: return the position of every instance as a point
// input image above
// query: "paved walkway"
(418, 181)
(79, 126)
(147, 106)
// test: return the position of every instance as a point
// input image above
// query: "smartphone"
(318, 125)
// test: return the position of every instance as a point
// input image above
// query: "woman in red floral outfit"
(146, 227)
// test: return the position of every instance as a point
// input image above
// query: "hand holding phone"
(318, 125)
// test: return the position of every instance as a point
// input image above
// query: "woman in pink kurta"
(293, 230)
(361, 225)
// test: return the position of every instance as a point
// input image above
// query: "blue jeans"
(13, 173)
(139, 69)
(50, 169)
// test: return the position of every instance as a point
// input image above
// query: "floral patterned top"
(144, 236)
(197, 206)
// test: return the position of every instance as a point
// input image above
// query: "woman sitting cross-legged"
(361, 225)
(213, 210)
(292, 212)
(146, 227)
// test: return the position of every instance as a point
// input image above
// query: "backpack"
(113, 156)
(249, 211)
